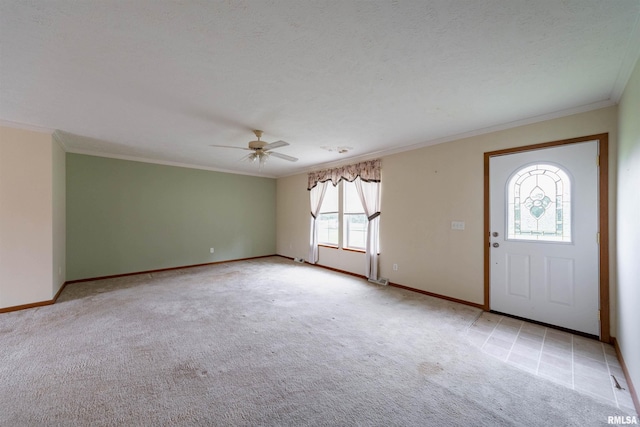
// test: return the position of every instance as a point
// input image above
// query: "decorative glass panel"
(539, 204)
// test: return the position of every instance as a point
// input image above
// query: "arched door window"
(539, 204)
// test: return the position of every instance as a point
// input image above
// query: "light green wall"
(125, 216)
(628, 248)
(59, 216)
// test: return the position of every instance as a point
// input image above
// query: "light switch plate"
(457, 225)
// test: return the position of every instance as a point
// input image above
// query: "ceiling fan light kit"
(259, 155)
(262, 150)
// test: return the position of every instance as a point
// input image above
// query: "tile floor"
(579, 363)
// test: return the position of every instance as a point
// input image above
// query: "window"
(342, 221)
(539, 204)
(329, 218)
(350, 221)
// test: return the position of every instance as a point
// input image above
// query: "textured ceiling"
(162, 80)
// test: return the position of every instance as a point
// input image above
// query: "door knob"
(495, 245)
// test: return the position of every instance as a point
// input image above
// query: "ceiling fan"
(261, 150)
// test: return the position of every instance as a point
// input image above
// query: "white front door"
(544, 235)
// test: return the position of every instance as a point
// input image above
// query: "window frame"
(347, 242)
(343, 238)
(329, 212)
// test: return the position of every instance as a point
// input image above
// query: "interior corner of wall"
(58, 138)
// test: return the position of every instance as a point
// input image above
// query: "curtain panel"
(316, 197)
(369, 193)
(368, 171)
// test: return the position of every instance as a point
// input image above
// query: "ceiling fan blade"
(276, 144)
(283, 156)
(229, 146)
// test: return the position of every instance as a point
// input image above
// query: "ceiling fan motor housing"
(257, 145)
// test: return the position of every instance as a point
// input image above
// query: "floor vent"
(381, 281)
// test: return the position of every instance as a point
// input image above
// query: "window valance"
(368, 171)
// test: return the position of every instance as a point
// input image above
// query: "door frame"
(603, 220)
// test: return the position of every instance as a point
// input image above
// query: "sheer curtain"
(369, 193)
(316, 197)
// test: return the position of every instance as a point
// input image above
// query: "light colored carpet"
(263, 342)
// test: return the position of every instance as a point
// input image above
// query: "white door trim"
(603, 212)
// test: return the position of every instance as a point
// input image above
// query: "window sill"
(360, 251)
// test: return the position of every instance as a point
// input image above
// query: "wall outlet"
(395, 267)
(210, 250)
(457, 225)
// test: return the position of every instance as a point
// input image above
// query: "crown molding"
(25, 126)
(163, 162)
(368, 156)
(632, 56)
(459, 136)
(57, 137)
